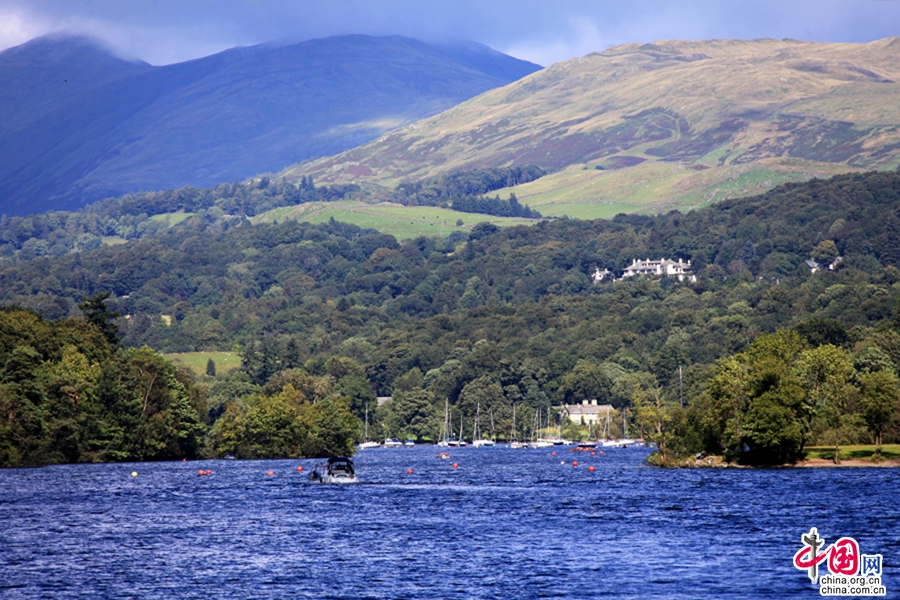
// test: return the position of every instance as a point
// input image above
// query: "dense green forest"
(512, 317)
(70, 393)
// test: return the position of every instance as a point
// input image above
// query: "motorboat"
(392, 443)
(409, 443)
(338, 469)
(623, 443)
(540, 443)
(588, 446)
(443, 455)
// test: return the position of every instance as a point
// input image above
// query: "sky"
(542, 31)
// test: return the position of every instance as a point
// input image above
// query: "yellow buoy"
(134, 473)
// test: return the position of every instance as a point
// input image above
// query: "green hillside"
(325, 316)
(671, 124)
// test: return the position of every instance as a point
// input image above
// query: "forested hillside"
(139, 215)
(506, 317)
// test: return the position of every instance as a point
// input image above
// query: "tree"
(169, 426)
(826, 372)
(96, 313)
(729, 399)
(880, 402)
(654, 416)
(211, 367)
(412, 414)
(585, 382)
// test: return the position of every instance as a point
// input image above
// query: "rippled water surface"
(506, 524)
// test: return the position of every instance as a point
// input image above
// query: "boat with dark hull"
(338, 469)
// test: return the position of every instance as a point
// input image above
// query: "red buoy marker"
(409, 471)
(455, 466)
(553, 454)
(591, 468)
(201, 472)
(574, 463)
(299, 469)
(270, 473)
(209, 471)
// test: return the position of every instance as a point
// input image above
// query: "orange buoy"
(409, 471)
(270, 473)
(553, 454)
(455, 466)
(574, 463)
(201, 472)
(183, 460)
(591, 468)
(601, 453)
(592, 454)
(299, 469)
(209, 471)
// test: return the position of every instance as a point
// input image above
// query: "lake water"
(505, 524)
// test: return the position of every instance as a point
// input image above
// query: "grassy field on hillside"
(172, 219)
(196, 361)
(585, 192)
(400, 221)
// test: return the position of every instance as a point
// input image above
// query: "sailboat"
(477, 442)
(444, 440)
(538, 440)
(368, 443)
(514, 439)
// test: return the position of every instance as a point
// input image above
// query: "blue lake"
(505, 524)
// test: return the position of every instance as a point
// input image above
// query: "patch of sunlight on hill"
(197, 361)
(400, 221)
(585, 192)
(172, 219)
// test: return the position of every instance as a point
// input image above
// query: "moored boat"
(392, 443)
(588, 446)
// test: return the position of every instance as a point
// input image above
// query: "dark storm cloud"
(164, 31)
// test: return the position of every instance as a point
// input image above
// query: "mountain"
(653, 126)
(81, 125)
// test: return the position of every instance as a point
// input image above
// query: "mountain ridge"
(707, 104)
(232, 115)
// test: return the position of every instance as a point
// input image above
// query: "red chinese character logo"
(842, 556)
(844, 559)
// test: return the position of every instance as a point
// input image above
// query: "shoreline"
(717, 462)
(846, 462)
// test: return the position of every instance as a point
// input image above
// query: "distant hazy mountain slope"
(211, 120)
(711, 104)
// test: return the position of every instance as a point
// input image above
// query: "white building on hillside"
(669, 268)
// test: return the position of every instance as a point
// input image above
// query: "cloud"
(544, 31)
